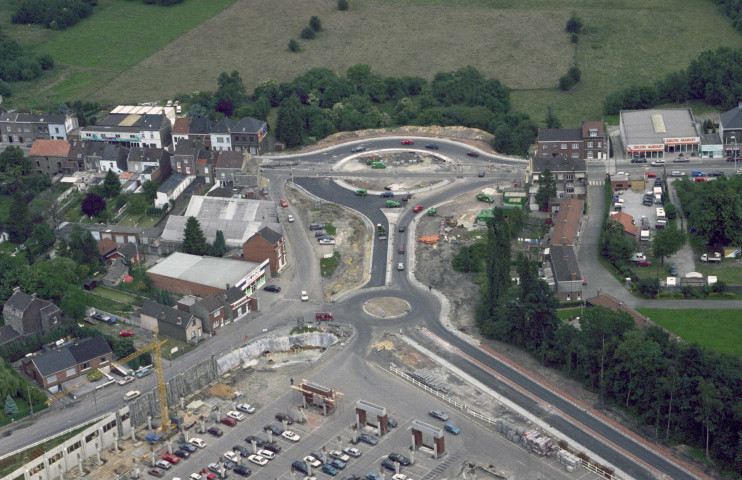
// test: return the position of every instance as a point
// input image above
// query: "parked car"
(241, 450)
(272, 288)
(216, 431)
(352, 451)
(300, 466)
(231, 456)
(338, 455)
(472, 154)
(399, 458)
(369, 439)
(170, 458)
(180, 453)
(197, 442)
(267, 454)
(451, 428)
(236, 415)
(131, 395)
(246, 407)
(259, 442)
(389, 465)
(639, 160)
(407, 142)
(188, 447)
(673, 270)
(284, 203)
(143, 372)
(164, 464)
(313, 462)
(257, 460)
(156, 473)
(125, 380)
(700, 179)
(391, 422)
(216, 468)
(644, 263)
(329, 469)
(242, 470)
(273, 428)
(318, 455)
(229, 421)
(432, 146)
(126, 333)
(316, 226)
(339, 464)
(439, 414)
(326, 241)
(273, 447)
(291, 436)
(373, 476)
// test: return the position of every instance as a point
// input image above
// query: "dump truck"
(378, 165)
(712, 258)
(483, 197)
(361, 192)
(381, 231)
(392, 204)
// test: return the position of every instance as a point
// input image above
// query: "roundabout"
(386, 308)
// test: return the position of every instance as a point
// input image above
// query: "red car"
(284, 203)
(417, 208)
(651, 174)
(644, 263)
(171, 458)
(229, 421)
(700, 179)
(407, 142)
(126, 333)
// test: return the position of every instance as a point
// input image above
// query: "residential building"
(238, 303)
(93, 154)
(568, 282)
(171, 322)
(67, 362)
(229, 164)
(730, 130)
(570, 175)
(249, 134)
(49, 156)
(221, 138)
(172, 188)
(152, 162)
(113, 157)
(594, 141)
(197, 129)
(211, 310)
(588, 142)
(659, 133)
(156, 131)
(627, 222)
(116, 273)
(568, 223)
(206, 166)
(24, 128)
(107, 250)
(266, 244)
(130, 130)
(195, 275)
(110, 251)
(181, 127)
(75, 158)
(28, 314)
(186, 154)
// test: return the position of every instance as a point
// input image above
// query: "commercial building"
(659, 133)
(194, 275)
(130, 130)
(67, 362)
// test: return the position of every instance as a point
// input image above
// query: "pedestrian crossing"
(597, 182)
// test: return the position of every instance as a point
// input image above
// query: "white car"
(198, 442)
(132, 395)
(246, 407)
(326, 241)
(258, 460)
(231, 456)
(313, 462)
(658, 163)
(304, 296)
(289, 435)
(338, 455)
(267, 454)
(125, 380)
(400, 266)
(164, 464)
(236, 415)
(196, 476)
(352, 451)
(291, 218)
(399, 476)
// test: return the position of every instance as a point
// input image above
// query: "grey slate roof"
(167, 314)
(32, 118)
(117, 270)
(8, 335)
(559, 164)
(172, 182)
(70, 355)
(128, 250)
(152, 122)
(233, 294)
(559, 134)
(564, 261)
(210, 304)
(248, 125)
(710, 139)
(200, 126)
(20, 301)
(222, 126)
(269, 235)
(187, 146)
(230, 159)
(733, 119)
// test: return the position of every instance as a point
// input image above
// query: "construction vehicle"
(361, 192)
(483, 197)
(431, 212)
(378, 165)
(392, 204)
(381, 231)
(713, 258)
(154, 347)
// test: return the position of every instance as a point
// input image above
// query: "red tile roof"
(627, 221)
(106, 245)
(566, 222)
(182, 126)
(586, 126)
(50, 148)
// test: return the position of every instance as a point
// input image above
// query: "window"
(206, 170)
(74, 447)
(70, 372)
(590, 154)
(600, 145)
(89, 438)
(569, 176)
(593, 132)
(56, 130)
(589, 144)
(177, 165)
(188, 170)
(85, 366)
(544, 147)
(563, 146)
(575, 155)
(51, 379)
(103, 359)
(108, 426)
(575, 145)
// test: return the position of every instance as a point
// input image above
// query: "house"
(185, 156)
(195, 275)
(171, 322)
(75, 158)
(570, 175)
(107, 250)
(181, 128)
(588, 142)
(113, 157)
(627, 221)
(211, 310)
(116, 273)
(568, 282)
(156, 131)
(568, 223)
(221, 139)
(93, 154)
(130, 253)
(152, 163)
(28, 314)
(24, 128)
(49, 156)
(67, 362)
(206, 166)
(238, 303)
(266, 244)
(171, 188)
(228, 164)
(200, 131)
(249, 135)
(607, 301)
(8, 335)
(730, 130)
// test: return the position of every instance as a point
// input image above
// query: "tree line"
(679, 391)
(321, 102)
(18, 65)
(712, 78)
(713, 210)
(53, 14)
(732, 9)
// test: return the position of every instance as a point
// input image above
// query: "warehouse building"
(659, 133)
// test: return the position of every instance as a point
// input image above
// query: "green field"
(704, 326)
(156, 52)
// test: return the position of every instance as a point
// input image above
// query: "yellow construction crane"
(156, 346)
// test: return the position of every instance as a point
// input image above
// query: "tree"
(294, 45)
(342, 5)
(231, 87)
(574, 24)
(92, 204)
(111, 184)
(649, 286)
(74, 304)
(538, 304)
(81, 247)
(667, 242)
(551, 120)
(290, 122)
(315, 23)
(546, 188)
(18, 221)
(194, 241)
(197, 110)
(308, 33)
(708, 407)
(497, 257)
(616, 247)
(149, 190)
(43, 238)
(219, 247)
(10, 407)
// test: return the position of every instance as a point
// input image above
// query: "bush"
(575, 38)
(308, 33)
(315, 24)
(671, 211)
(45, 61)
(574, 24)
(566, 82)
(294, 45)
(719, 287)
(342, 5)
(649, 287)
(575, 73)
(4, 89)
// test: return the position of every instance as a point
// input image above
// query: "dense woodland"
(714, 78)
(17, 65)
(732, 9)
(681, 392)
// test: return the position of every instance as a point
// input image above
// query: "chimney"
(227, 287)
(16, 290)
(573, 276)
(180, 320)
(161, 316)
(564, 240)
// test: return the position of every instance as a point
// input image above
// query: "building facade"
(49, 156)
(24, 128)
(27, 314)
(266, 244)
(67, 362)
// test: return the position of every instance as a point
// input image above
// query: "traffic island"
(387, 307)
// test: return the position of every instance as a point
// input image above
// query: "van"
(132, 395)
(324, 316)
(143, 372)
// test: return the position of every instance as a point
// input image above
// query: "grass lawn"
(139, 220)
(727, 271)
(106, 304)
(703, 326)
(568, 313)
(328, 265)
(116, 295)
